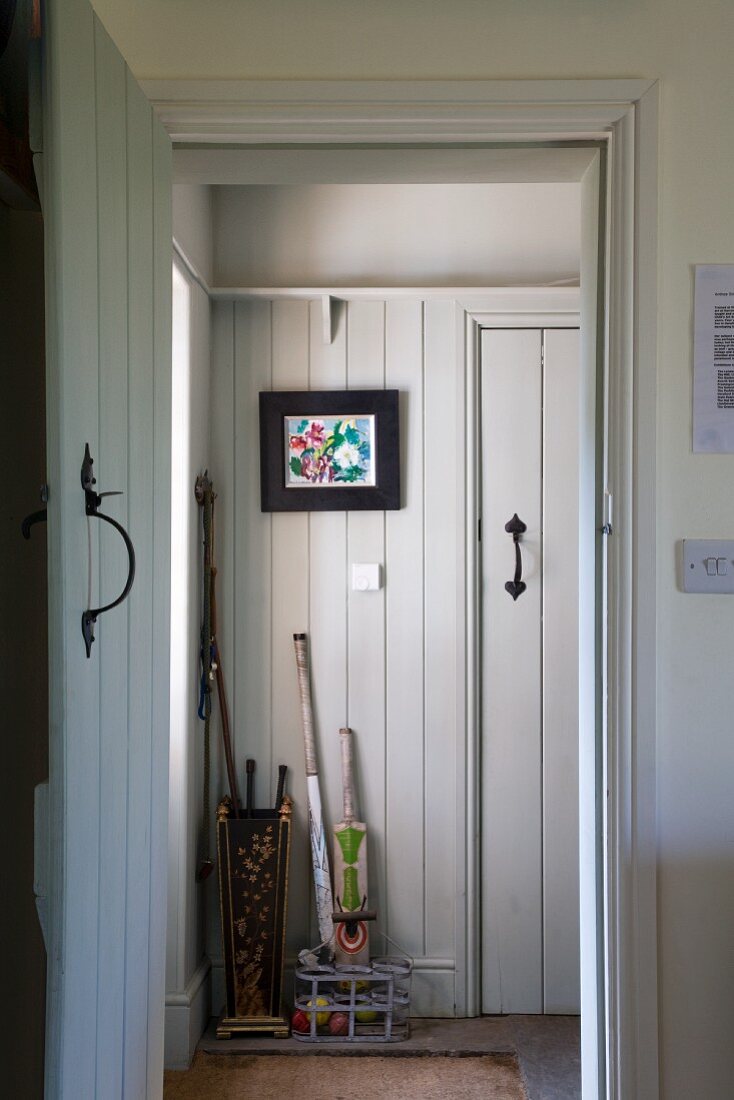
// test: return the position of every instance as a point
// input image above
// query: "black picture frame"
(276, 406)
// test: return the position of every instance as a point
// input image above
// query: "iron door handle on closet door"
(92, 503)
(516, 528)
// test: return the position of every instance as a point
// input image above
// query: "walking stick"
(224, 709)
(211, 668)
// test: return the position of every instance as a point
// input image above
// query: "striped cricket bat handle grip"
(345, 736)
(304, 692)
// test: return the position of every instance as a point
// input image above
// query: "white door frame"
(623, 114)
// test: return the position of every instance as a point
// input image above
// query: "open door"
(106, 181)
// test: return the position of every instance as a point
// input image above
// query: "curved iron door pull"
(93, 501)
(516, 527)
(35, 517)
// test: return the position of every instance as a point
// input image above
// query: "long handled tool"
(317, 832)
(224, 709)
(281, 786)
(203, 494)
(211, 668)
(350, 869)
(250, 771)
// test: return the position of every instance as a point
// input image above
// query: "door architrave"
(623, 114)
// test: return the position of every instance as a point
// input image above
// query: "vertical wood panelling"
(70, 216)
(512, 687)
(108, 275)
(366, 616)
(441, 531)
(290, 610)
(161, 602)
(223, 475)
(561, 422)
(252, 579)
(367, 649)
(112, 471)
(404, 683)
(328, 587)
(467, 846)
(222, 472)
(140, 699)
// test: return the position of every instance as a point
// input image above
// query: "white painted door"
(530, 861)
(105, 165)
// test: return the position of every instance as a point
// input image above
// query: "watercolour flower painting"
(330, 450)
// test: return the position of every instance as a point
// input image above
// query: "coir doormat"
(332, 1077)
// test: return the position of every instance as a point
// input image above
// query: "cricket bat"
(317, 832)
(350, 868)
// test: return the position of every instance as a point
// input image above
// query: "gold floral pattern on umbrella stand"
(253, 925)
(253, 863)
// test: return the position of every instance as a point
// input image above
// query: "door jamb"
(623, 113)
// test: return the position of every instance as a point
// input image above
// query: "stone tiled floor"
(548, 1047)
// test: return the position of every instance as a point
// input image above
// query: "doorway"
(616, 119)
(403, 699)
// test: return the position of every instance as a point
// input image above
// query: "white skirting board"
(432, 988)
(187, 1015)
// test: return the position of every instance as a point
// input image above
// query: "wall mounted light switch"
(366, 577)
(708, 565)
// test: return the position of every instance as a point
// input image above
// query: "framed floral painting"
(329, 450)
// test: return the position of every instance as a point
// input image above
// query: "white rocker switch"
(366, 577)
(707, 565)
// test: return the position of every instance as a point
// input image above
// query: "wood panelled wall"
(383, 663)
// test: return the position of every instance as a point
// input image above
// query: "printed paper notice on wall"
(713, 359)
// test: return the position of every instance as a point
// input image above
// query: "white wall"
(192, 226)
(187, 989)
(688, 46)
(396, 235)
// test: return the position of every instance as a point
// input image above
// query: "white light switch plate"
(365, 577)
(698, 554)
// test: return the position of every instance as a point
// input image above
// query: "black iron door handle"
(35, 517)
(92, 503)
(516, 527)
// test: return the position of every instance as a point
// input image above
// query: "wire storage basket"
(353, 1004)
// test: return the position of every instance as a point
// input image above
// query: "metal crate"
(375, 1001)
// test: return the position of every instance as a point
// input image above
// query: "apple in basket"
(300, 1022)
(339, 1023)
